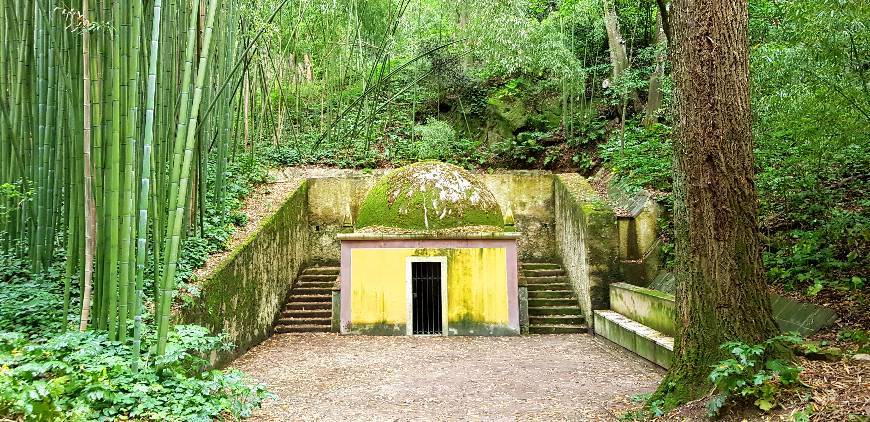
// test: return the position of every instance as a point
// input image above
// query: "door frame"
(409, 326)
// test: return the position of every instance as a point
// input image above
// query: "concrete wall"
(242, 296)
(656, 309)
(586, 239)
(333, 203)
(480, 292)
(639, 243)
(528, 197)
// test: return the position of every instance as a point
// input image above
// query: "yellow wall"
(476, 287)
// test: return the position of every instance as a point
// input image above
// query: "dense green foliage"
(754, 373)
(30, 304)
(84, 376)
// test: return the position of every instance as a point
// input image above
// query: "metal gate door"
(426, 290)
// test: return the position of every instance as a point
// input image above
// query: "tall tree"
(615, 42)
(654, 99)
(721, 294)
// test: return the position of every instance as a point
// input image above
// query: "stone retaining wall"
(527, 196)
(243, 295)
(587, 241)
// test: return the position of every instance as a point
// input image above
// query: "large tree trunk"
(721, 294)
(615, 43)
(654, 99)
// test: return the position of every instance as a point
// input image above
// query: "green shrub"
(434, 140)
(754, 373)
(858, 336)
(524, 151)
(79, 376)
(641, 158)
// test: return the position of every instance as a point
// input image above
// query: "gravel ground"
(556, 377)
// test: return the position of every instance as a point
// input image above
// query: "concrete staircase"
(309, 304)
(553, 306)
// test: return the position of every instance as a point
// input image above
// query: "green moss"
(382, 328)
(243, 294)
(471, 325)
(429, 196)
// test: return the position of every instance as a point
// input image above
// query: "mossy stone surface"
(429, 196)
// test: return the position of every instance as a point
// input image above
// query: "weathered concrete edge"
(585, 221)
(646, 342)
(262, 224)
(646, 306)
(790, 315)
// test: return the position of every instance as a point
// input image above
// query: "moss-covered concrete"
(333, 203)
(656, 309)
(650, 344)
(649, 307)
(526, 198)
(586, 239)
(243, 295)
(429, 195)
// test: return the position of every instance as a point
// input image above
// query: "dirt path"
(560, 377)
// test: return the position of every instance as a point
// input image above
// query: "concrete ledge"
(646, 306)
(632, 335)
(805, 318)
(426, 236)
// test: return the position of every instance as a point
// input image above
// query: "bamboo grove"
(120, 121)
(110, 116)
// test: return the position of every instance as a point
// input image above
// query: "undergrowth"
(83, 376)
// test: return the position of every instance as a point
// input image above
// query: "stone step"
(547, 286)
(543, 272)
(322, 271)
(296, 297)
(556, 320)
(554, 310)
(284, 329)
(307, 313)
(317, 277)
(308, 306)
(314, 284)
(544, 280)
(305, 321)
(544, 294)
(632, 335)
(556, 329)
(540, 266)
(311, 291)
(559, 301)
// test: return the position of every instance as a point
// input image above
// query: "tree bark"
(654, 99)
(615, 42)
(721, 294)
